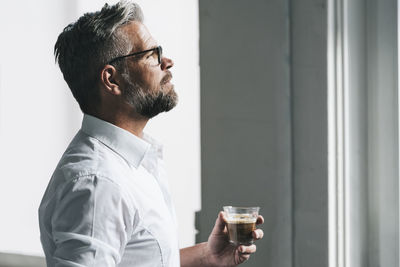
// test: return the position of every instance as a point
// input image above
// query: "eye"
(151, 54)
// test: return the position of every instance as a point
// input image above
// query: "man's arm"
(194, 256)
(90, 225)
(218, 251)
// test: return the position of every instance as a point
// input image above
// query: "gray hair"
(86, 46)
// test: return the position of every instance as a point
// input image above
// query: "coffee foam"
(241, 218)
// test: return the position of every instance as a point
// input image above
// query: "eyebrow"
(153, 47)
(144, 52)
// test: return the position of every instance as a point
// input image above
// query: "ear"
(110, 80)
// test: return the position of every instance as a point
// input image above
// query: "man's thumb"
(220, 223)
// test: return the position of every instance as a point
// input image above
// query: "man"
(108, 202)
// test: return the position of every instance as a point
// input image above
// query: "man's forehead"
(140, 36)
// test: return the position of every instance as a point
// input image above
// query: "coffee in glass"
(241, 222)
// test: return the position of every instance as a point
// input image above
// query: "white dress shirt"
(108, 203)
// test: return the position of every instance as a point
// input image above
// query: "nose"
(166, 63)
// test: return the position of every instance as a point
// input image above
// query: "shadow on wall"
(18, 260)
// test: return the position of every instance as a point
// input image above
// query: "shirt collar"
(156, 146)
(132, 148)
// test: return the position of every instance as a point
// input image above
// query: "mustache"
(166, 78)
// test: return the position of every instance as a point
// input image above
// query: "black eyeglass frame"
(158, 49)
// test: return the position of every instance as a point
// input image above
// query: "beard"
(149, 104)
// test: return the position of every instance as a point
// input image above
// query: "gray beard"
(148, 104)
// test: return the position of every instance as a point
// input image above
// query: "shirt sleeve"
(92, 223)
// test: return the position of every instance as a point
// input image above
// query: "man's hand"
(220, 252)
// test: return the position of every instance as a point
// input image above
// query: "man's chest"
(155, 229)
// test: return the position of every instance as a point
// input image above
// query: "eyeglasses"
(157, 49)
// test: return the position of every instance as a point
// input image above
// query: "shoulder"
(86, 156)
(87, 160)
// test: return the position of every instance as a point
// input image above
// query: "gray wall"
(245, 118)
(383, 132)
(264, 123)
(309, 131)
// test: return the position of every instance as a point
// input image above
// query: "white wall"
(38, 115)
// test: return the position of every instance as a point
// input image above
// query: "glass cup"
(241, 222)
